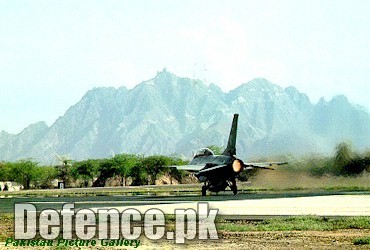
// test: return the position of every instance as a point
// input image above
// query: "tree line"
(131, 169)
(345, 162)
(126, 169)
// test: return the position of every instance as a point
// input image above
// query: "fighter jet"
(220, 171)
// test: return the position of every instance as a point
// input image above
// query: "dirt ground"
(340, 239)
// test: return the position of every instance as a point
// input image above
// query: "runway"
(245, 205)
(328, 206)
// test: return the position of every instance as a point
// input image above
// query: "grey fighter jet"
(219, 171)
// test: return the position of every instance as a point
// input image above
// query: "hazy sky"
(52, 52)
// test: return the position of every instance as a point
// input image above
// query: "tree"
(356, 166)
(139, 174)
(124, 164)
(343, 156)
(23, 172)
(107, 169)
(43, 175)
(154, 165)
(64, 171)
(85, 170)
(174, 172)
(4, 171)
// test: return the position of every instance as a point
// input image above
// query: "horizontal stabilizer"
(250, 167)
(265, 164)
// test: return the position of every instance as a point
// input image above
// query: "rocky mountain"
(173, 115)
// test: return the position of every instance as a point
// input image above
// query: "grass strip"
(361, 241)
(297, 223)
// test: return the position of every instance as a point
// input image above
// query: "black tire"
(204, 191)
(234, 189)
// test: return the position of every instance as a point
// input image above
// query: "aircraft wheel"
(204, 191)
(234, 189)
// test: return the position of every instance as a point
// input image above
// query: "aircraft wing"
(190, 168)
(263, 165)
(198, 168)
(208, 170)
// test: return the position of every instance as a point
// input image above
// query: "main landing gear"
(204, 190)
(233, 187)
(219, 186)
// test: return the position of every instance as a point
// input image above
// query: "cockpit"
(203, 152)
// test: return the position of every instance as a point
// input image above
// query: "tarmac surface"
(325, 205)
(244, 206)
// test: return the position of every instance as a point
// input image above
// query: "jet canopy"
(203, 152)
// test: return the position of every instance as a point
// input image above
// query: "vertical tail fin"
(231, 148)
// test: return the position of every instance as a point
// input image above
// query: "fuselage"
(213, 159)
(221, 166)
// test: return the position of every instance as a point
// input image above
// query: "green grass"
(6, 226)
(166, 190)
(297, 223)
(362, 241)
(106, 191)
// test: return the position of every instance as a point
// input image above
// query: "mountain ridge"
(175, 115)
